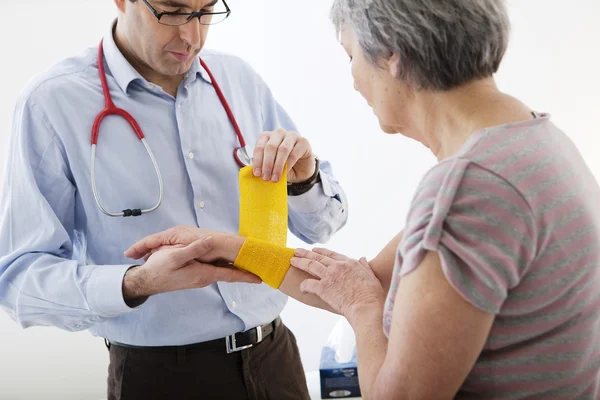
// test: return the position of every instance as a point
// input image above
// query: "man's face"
(167, 50)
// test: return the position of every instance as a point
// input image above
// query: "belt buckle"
(232, 347)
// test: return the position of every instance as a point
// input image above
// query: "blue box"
(338, 380)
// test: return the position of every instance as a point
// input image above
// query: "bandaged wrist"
(268, 261)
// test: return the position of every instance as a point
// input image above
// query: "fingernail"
(257, 172)
(293, 260)
(209, 240)
(275, 178)
(265, 177)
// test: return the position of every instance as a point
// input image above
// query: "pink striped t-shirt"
(515, 218)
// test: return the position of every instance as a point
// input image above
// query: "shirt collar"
(195, 71)
(118, 65)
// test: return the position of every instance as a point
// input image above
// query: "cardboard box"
(338, 380)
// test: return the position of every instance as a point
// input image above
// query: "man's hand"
(176, 268)
(225, 246)
(179, 235)
(274, 149)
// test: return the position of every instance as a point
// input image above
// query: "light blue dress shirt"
(61, 258)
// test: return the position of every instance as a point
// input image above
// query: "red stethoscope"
(240, 154)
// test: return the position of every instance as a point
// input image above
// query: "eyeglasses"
(175, 18)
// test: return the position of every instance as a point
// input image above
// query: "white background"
(552, 64)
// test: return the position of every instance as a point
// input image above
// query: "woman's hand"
(345, 284)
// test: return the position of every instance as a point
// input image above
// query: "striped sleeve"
(479, 224)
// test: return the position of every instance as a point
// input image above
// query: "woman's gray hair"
(441, 43)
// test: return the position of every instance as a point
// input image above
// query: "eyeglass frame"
(191, 16)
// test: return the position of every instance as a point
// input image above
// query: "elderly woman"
(493, 289)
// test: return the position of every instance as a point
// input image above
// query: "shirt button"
(201, 204)
(233, 304)
(191, 155)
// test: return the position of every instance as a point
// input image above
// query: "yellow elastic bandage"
(264, 223)
(263, 207)
(267, 260)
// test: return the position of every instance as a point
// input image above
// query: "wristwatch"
(298, 188)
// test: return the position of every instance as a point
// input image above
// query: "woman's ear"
(393, 65)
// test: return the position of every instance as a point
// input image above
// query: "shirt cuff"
(105, 290)
(315, 199)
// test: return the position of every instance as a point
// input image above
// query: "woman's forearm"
(291, 286)
(228, 249)
(371, 349)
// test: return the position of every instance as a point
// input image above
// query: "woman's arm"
(435, 339)
(383, 264)
(228, 249)
(291, 286)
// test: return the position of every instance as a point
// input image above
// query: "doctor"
(63, 231)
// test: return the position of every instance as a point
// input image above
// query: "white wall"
(552, 64)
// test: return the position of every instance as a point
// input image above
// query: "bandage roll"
(264, 223)
(263, 207)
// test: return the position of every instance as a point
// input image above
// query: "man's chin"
(175, 68)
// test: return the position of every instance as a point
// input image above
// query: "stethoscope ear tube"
(240, 154)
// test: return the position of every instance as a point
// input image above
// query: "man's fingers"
(282, 156)
(313, 267)
(147, 244)
(197, 249)
(201, 275)
(232, 274)
(271, 148)
(165, 247)
(297, 152)
(259, 153)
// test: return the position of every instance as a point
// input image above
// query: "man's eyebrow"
(171, 3)
(174, 3)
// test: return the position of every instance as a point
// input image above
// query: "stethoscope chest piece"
(242, 157)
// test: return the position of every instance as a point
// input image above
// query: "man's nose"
(190, 32)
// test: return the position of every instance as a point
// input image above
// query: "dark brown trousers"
(270, 370)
